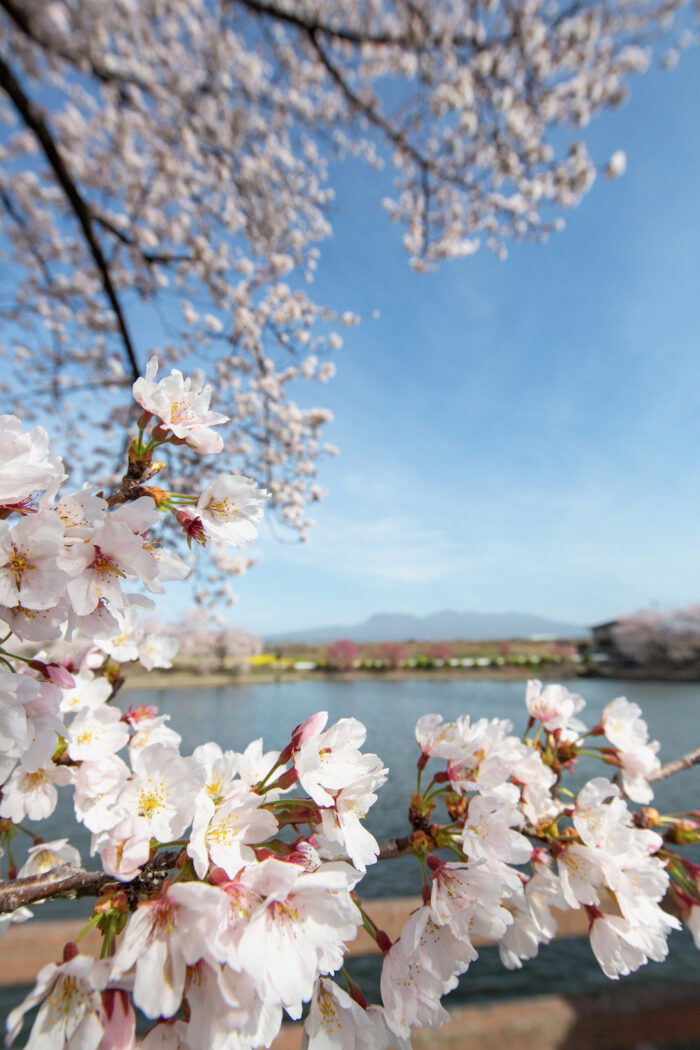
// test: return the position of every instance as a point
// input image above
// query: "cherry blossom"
(162, 938)
(328, 761)
(162, 790)
(342, 823)
(26, 466)
(627, 731)
(32, 794)
(69, 1015)
(94, 735)
(87, 691)
(533, 923)
(467, 897)
(299, 930)
(221, 832)
(231, 508)
(184, 410)
(411, 992)
(48, 855)
(554, 706)
(97, 566)
(622, 947)
(29, 573)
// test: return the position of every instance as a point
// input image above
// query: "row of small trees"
(344, 654)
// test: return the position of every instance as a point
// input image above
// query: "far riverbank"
(178, 679)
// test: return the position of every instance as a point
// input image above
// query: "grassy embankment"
(514, 660)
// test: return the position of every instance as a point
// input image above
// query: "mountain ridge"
(444, 625)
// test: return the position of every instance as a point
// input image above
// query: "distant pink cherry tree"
(392, 653)
(342, 654)
(440, 651)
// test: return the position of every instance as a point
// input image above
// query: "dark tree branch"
(311, 24)
(106, 76)
(20, 222)
(372, 115)
(33, 119)
(67, 882)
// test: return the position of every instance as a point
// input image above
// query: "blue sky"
(519, 434)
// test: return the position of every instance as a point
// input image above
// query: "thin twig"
(391, 848)
(691, 759)
(33, 119)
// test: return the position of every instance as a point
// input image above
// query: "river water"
(235, 715)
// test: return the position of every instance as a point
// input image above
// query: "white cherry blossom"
(622, 947)
(299, 930)
(337, 1022)
(222, 832)
(328, 760)
(161, 939)
(488, 832)
(29, 573)
(411, 992)
(342, 823)
(124, 847)
(162, 791)
(183, 409)
(69, 1014)
(26, 466)
(32, 794)
(467, 897)
(554, 706)
(88, 691)
(97, 786)
(49, 855)
(627, 731)
(95, 734)
(436, 946)
(96, 567)
(583, 871)
(231, 508)
(623, 725)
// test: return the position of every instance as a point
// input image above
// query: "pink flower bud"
(118, 1020)
(60, 676)
(289, 777)
(355, 993)
(383, 941)
(310, 728)
(53, 673)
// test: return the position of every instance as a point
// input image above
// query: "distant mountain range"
(447, 625)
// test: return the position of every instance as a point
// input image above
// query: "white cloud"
(389, 548)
